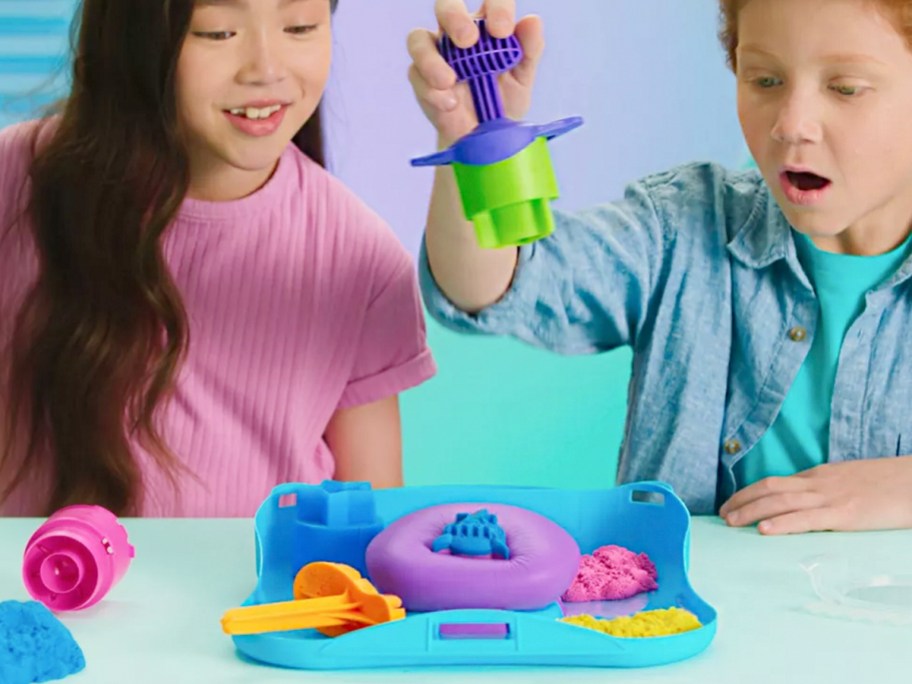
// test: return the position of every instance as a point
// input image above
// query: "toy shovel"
(332, 598)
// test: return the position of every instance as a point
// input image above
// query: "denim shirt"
(696, 270)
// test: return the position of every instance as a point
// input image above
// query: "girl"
(769, 312)
(191, 309)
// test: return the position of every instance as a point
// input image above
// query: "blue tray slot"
(334, 521)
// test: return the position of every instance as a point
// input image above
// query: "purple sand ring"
(544, 559)
(480, 65)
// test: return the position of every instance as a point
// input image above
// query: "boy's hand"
(448, 106)
(854, 495)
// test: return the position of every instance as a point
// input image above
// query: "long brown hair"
(100, 336)
(900, 11)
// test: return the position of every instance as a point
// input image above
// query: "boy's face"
(250, 74)
(825, 103)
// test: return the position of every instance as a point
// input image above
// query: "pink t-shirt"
(300, 301)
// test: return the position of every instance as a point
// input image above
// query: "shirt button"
(797, 334)
(732, 446)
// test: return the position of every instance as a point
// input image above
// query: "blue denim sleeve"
(586, 288)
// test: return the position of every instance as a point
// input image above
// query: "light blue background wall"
(32, 49)
(649, 78)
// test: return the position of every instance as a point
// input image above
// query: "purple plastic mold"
(496, 137)
(480, 66)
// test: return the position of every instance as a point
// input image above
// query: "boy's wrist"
(444, 142)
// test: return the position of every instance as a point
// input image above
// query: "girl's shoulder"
(318, 183)
(15, 135)
(18, 145)
(337, 207)
(357, 245)
(20, 141)
(18, 265)
(17, 149)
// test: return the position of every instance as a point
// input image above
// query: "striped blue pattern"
(34, 55)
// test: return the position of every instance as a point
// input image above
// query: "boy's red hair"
(899, 11)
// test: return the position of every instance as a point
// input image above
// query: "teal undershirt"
(799, 436)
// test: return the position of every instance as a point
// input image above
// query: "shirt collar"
(766, 237)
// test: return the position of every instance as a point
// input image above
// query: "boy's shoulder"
(707, 179)
(711, 189)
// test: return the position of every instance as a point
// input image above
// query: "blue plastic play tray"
(298, 524)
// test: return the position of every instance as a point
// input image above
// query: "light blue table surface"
(161, 623)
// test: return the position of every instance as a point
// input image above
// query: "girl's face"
(825, 101)
(249, 75)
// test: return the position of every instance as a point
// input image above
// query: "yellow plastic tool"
(332, 598)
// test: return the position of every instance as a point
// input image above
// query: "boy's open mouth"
(805, 180)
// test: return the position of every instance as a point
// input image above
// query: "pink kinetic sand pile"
(611, 573)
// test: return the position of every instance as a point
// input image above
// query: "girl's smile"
(257, 119)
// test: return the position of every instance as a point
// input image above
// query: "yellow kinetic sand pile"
(648, 623)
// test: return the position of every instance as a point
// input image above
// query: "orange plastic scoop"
(330, 597)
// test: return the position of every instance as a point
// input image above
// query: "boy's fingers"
(531, 36)
(500, 17)
(443, 100)
(456, 22)
(422, 48)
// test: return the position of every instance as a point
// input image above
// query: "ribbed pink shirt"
(300, 301)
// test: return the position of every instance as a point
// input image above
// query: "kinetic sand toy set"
(351, 577)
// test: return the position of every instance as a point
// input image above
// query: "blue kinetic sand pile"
(34, 645)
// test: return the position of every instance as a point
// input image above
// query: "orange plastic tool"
(330, 597)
